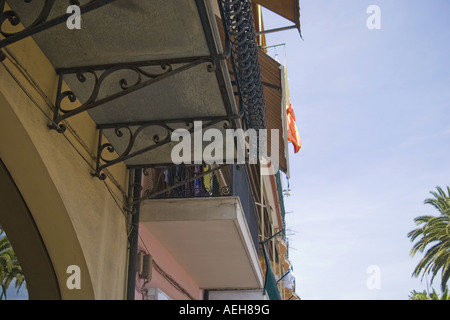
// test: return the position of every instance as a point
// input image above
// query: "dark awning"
(288, 9)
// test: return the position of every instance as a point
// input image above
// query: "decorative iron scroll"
(238, 24)
(125, 86)
(130, 133)
(41, 22)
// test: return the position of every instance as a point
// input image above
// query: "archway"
(24, 236)
(35, 217)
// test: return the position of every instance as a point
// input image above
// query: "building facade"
(92, 199)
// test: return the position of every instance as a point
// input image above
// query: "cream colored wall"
(81, 219)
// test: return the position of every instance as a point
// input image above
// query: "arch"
(42, 231)
(17, 221)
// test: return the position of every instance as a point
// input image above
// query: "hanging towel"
(207, 179)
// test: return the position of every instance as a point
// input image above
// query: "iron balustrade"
(240, 35)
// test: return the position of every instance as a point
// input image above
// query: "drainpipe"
(134, 235)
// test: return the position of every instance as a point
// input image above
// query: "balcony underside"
(121, 31)
(133, 66)
(209, 237)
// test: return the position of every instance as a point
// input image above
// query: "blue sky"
(373, 111)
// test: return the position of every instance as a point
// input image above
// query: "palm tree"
(425, 296)
(6, 260)
(435, 232)
(10, 269)
(415, 295)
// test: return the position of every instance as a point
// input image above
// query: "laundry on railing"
(208, 184)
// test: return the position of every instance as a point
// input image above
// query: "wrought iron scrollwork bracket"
(41, 23)
(130, 134)
(142, 79)
(136, 77)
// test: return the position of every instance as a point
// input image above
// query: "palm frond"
(10, 269)
(433, 232)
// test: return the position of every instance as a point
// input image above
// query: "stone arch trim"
(17, 221)
(45, 206)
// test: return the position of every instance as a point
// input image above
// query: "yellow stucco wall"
(80, 218)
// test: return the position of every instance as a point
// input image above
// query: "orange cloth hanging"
(293, 135)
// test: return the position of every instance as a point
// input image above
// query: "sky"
(373, 111)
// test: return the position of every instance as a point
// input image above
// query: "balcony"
(209, 224)
(142, 69)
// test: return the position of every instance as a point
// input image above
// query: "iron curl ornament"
(11, 18)
(108, 155)
(137, 78)
(14, 18)
(124, 87)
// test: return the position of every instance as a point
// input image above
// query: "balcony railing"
(241, 37)
(196, 181)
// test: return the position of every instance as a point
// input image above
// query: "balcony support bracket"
(130, 77)
(129, 134)
(42, 22)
